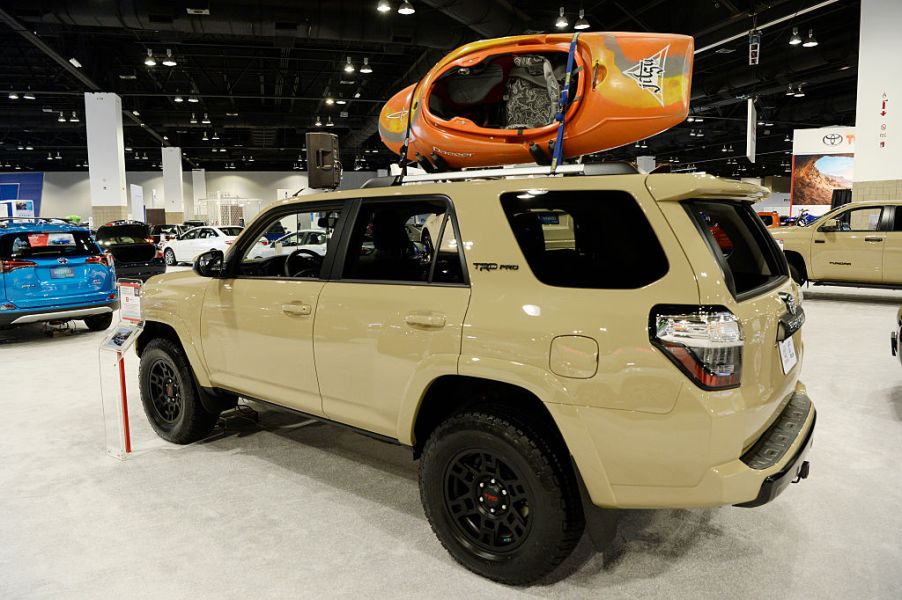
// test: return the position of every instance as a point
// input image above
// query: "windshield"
(232, 231)
(38, 244)
(123, 234)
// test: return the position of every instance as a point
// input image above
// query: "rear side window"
(38, 244)
(747, 253)
(124, 234)
(585, 239)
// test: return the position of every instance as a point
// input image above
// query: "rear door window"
(38, 244)
(749, 256)
(585, 239)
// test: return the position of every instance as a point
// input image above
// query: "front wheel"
(501, 498)
(171, 401)
(169, 256)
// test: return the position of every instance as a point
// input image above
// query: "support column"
(173, 187)
(878, 113)
(106, 157)
(199, 192)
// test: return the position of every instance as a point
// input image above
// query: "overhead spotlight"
(329, 123)
(795, 39)
(319, 122)
(561, 22)
(136, 113)
(690, 119)
(349, 66)
(193, 99)
(166, 138)
(150, 61)
(49, 156)
(29, 147)
(205, 138)
(169, 61)
(13, 96)
(215, 136)
(789, 90)
(700, 133)
(61, 119)
(20, 146)
(383, 6)
(357, 93)
(341, 101)
(724, 150)
(730, 148)
(330, 100)
(28, 95)
(365, 67)
(193, 119)
(691, 133)
(582, 22)
(699, 120)
(799, 93)
(178, 98)
(787, 138)
(811, 42)
(250, 158)
(406, 8)
(206, 119)
(74, 118)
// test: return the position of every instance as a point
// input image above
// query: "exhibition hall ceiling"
(264, 73)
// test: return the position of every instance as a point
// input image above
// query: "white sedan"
(314, 240)
(198, 240)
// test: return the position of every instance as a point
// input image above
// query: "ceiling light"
(28, 95)
(178, 98)
(29, 147)
(810, 42)
(231, 114)
(150, 61)
(193, 120)
(250, 158)
(690, 120)
(357, 93)
(365, 67)
(49, 156)
(799, 93)
(61, 119)
(193, 99)
(796, 39)
(561, 22)
(691, 133)
(18, 168)
(789, 90)
(169, 61)
(349, 66)
(144, 157)
(724, 149)
(136, 113)
(406, 8)
(13, 96)
(74, 117)
(699, 120)
(787, 138)
(383, 6)
(20, 146)
(215, 136)
(205, 138)
(329, 123)
(341, 101)
(74, 62)
(581, 23)
(205, 120)
(700, 133)
(330, 100)
(318, 122)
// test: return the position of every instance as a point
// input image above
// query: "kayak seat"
(532, 93)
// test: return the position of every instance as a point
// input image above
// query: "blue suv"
(51, 270)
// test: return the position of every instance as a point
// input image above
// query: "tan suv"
(856, 244)
(535, 372)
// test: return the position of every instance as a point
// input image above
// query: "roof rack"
(611, 168)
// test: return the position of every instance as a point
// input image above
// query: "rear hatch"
(128, 243)
(43, 269)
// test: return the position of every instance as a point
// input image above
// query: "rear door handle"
(820, 241)
(425, 319)
(873, 239)
(297, 309)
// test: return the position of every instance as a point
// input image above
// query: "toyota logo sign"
(62, 260)
(833, 139)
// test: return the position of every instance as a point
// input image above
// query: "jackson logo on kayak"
(648, 73)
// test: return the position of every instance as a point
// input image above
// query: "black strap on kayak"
(403, 161)
(558, 155)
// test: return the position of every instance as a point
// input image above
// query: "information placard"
(130, 300)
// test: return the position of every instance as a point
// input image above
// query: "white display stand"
(111, 358)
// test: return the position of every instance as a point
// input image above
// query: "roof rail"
(611, 168)
(5, 220)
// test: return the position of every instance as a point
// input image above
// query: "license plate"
(61, 272)
(788, 354)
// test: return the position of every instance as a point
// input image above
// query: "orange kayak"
(493, 102)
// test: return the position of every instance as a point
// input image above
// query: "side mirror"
(829, 225)
(209, 264)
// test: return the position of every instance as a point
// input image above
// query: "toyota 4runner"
(554, 343)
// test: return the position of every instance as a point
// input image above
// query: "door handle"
(873, 239)
(820, 241)
(425, 319)
(298, 309)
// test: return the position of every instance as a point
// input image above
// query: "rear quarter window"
(585, 239)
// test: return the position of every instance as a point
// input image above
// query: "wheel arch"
(158, 329)
(796, 259)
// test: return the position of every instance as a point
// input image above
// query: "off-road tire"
(99, 322)
(169, 257)
(540, 464)
(178, 417)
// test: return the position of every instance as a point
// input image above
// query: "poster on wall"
(823, 161)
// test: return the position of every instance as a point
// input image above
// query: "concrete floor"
(315, 511)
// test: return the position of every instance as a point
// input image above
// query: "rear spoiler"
(675, 187)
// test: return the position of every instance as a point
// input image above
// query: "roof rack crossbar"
(612, 168)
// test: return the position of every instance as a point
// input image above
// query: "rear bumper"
(140, 270)
(23, 317)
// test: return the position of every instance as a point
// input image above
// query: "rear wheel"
(99, 322)
(169, 395)
(501, 498)
(169, 256)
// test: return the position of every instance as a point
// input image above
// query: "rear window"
(585, 239)
(40, 244)
(230, 230)
(124, 234)
(746, 251)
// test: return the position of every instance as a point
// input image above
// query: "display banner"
(751, 131)
(822, 161)
(137, 194)
(24, 186)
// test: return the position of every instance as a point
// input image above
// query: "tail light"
(6, 266)
(159, 254)
(149, 240)
(105, 259)
(705, 342)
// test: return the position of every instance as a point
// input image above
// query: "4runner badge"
(649, 74)
(481, 266)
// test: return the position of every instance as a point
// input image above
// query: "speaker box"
(323, 161)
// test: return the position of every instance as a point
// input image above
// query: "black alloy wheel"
(165, 392)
